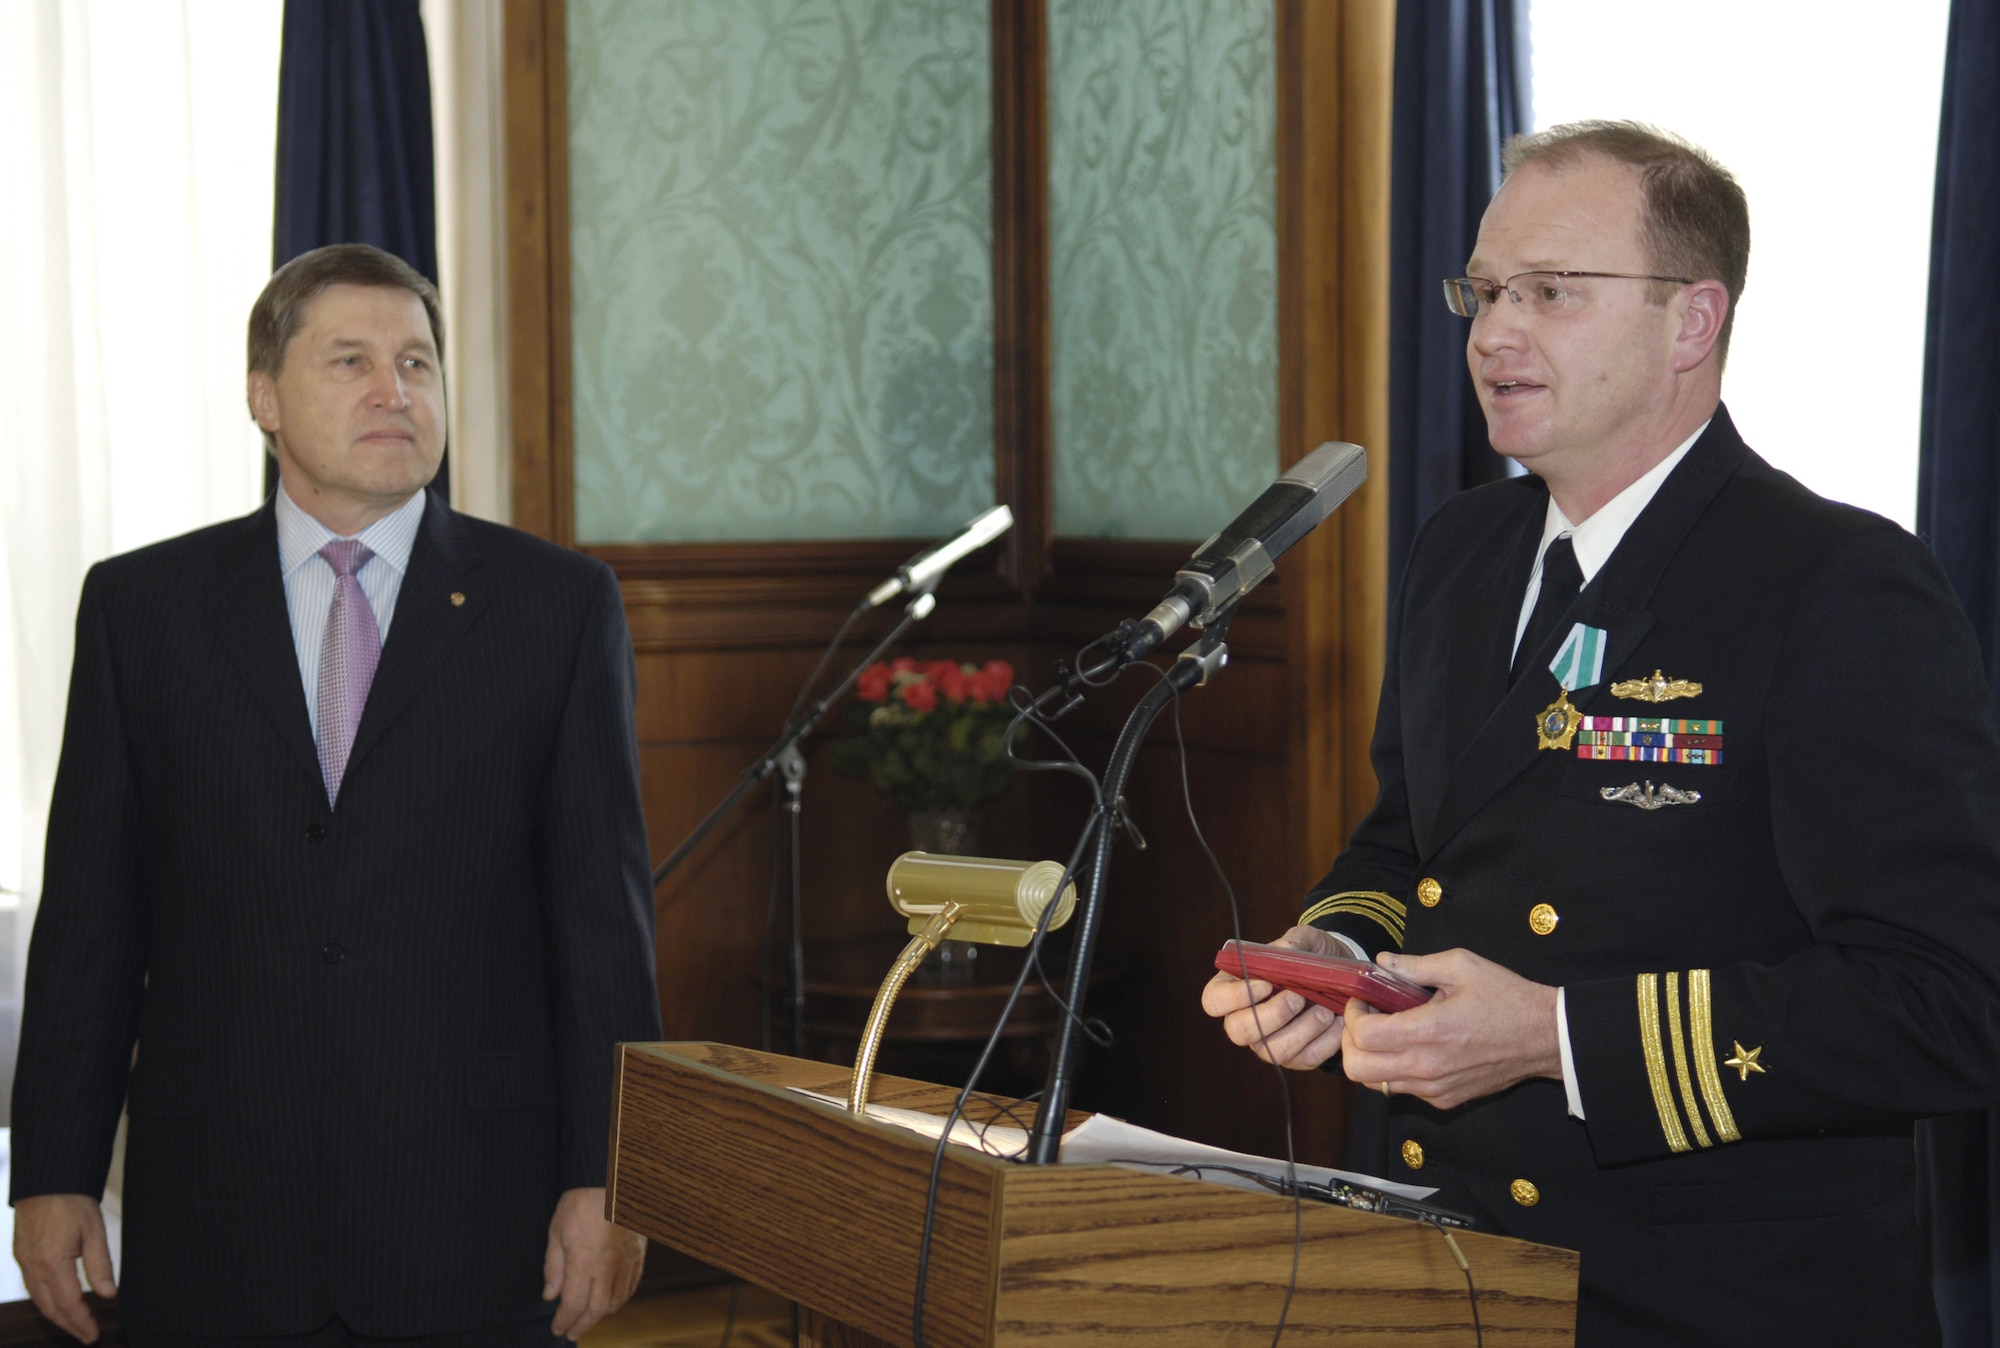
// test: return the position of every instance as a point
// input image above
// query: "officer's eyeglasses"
(1544, 294)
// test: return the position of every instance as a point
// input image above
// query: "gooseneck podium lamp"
(981, 899)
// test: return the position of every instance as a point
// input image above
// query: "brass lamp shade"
(999, 901)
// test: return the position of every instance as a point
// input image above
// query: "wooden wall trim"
(1335, 65)
(535, 65)
(1021, 285)
(1368, 61)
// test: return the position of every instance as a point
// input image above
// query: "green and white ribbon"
(1580, 662)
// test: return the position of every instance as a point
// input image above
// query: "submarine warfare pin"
(1658, 688)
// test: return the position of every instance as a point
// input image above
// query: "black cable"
(1284, 1083)
(826, 657)
(1028, 711)
(1291, 1182)
(783, 831)
(1003, 1109)
(972, 1081)
(1044, 1142)
(729, 1321)
(1095, 1029)
(1465, 1267)
(771, 914)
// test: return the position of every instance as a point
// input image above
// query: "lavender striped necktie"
(347, 657)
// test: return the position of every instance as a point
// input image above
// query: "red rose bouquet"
(931, 732)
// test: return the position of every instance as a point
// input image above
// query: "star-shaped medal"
(1745, 1060)
(1555, 724)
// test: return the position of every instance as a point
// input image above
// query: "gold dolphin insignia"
(1658, 688)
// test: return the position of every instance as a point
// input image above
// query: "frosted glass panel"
(781, 267)
(1163, 252)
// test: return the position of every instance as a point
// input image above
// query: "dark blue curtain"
(354, 137)
(1461, 91)
(354, 131)
(1958, 514)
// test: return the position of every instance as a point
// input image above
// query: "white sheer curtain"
(136, 147)
(1829, 116)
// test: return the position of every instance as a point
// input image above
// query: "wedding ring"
(1385, 1090)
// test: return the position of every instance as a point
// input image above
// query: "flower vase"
(946, 833)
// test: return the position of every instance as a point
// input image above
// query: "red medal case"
(1326, 979)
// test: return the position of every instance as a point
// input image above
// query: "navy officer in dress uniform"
(1689, 804)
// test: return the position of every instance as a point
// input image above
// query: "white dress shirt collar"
(391, 538)
(1597, 537)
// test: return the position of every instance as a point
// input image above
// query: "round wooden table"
(940, 1020)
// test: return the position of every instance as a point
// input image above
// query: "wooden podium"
(713, 1156)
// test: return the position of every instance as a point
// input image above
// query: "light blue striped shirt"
(309, 577)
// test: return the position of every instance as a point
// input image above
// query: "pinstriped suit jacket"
(1831, 900)
(373, 1044)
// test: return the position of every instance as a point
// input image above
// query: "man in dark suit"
(1689, 806)
(347, 895)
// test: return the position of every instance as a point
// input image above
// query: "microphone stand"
(785, 756)
(1196, 666)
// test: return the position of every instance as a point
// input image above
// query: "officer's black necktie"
(1561, 579)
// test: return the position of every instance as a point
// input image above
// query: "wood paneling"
(1021, 284)
(537, 214)
(1336, 62)
(1276, 750)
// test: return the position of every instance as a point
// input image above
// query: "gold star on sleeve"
(1745, 1061)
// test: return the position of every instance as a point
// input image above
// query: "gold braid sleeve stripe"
(1681, 1077)
(1379, 908)
(1702, 1030)
(1656, 1062)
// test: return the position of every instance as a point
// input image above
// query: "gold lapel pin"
(1658, 688)
(457, 599)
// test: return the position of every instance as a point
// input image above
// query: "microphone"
(1232, 563)
(922, 571)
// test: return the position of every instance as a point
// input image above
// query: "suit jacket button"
(1429, 892)
(333, 953)
(1413, 1154)
(315, 831)
(1524, 1192)
(1542, 919)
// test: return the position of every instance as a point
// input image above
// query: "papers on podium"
(1101, 1140)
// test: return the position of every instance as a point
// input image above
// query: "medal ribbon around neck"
(1578, 664)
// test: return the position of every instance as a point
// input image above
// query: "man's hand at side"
(1279, 1027)
(1484, 1029)
(51, 1232)
(591, 1264)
